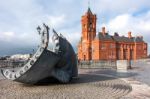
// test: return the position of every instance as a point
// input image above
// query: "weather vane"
(103, 21)
(88, 3)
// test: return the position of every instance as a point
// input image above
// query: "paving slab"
(86, 86)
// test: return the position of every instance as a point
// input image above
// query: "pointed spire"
(89, 10)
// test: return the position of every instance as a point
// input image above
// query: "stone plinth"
(123, 64)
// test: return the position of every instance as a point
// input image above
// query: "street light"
(135, 48)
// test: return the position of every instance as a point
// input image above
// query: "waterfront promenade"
(91, 84)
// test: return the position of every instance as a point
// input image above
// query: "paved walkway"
(91, 84)
(87, 86)
(138, 77)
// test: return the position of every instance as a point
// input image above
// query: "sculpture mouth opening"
(44, 63)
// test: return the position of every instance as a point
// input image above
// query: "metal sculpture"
(61, 63)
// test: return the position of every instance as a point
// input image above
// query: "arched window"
(84, 25)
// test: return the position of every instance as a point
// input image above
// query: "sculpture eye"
(21, 72)
(10, 75)
(15, 76)
(32, 62)
(37, 56)
(56, 41)
(43, 41)
(26, 68)
(41, 49)
(6, 73)
(43, 34)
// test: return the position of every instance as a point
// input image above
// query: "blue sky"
(19, 19)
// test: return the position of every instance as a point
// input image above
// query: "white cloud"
(73, 37)
(113, 8)
(56, 21)
(120, 22)
(7, 36)
(19, 39)
(139, 25)
(21, 18)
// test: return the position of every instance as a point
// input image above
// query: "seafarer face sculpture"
(60, 64)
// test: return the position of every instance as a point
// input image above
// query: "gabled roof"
(122, 39)
(100, 36)
(126, 39)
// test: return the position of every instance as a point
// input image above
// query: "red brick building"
(103, 46)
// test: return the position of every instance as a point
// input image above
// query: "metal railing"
(98, 64)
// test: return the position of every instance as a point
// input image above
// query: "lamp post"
(135, 49)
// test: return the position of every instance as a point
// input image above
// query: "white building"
(20, 57)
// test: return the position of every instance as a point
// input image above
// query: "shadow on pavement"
(82, 78)
(115, 73)
(88, 76)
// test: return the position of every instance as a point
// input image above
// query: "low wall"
(140, 61)
(98, 64)
(112, 64)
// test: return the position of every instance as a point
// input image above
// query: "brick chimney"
(141, 37)
(129, 35)
(103, 30)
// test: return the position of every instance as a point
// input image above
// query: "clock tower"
(88, 26)
(88, 23)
